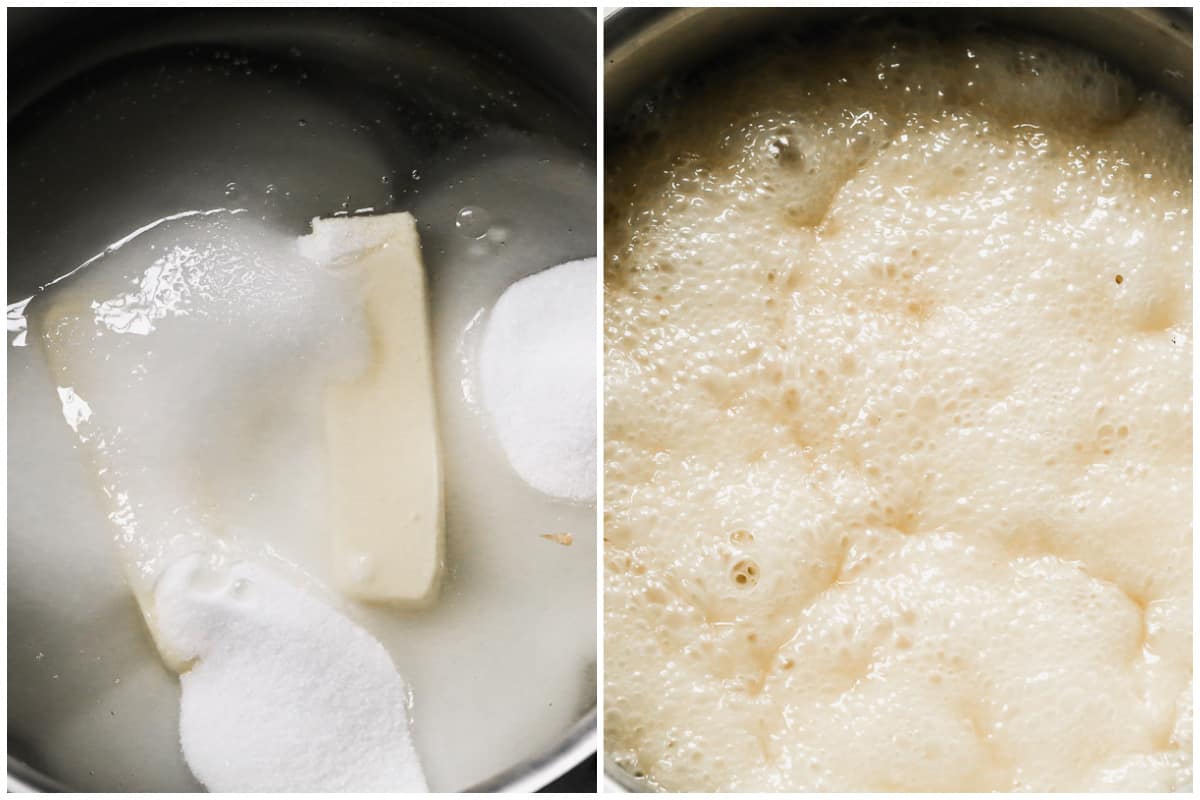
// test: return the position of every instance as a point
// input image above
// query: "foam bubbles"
(897, 471)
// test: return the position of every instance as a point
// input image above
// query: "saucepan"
(120, 116)
(645, 49)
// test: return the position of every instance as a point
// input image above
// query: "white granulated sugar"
(284, 693)
(539, 378)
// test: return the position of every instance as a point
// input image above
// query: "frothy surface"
(898, 425)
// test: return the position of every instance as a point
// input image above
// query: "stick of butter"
(381, 428)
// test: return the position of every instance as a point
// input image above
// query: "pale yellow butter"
(381, 427)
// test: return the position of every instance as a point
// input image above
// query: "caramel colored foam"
(898, 425)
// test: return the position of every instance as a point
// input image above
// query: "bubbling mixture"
(898, 424)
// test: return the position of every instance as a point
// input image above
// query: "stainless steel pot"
(56, 56)
(645, 47)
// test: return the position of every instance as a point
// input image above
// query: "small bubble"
(302, 123)
(472, 222)
(232, 189)
(416, 175)
(745, 573)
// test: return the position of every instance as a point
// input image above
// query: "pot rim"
(530, 775)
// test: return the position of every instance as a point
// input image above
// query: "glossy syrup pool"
(307, 122)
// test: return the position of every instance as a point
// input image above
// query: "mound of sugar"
(898, 426)
(191, 363)
(284, 694)
(539, 378)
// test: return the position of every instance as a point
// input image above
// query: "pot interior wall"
(646, 47)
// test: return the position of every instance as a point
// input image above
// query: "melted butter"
(898, 426)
